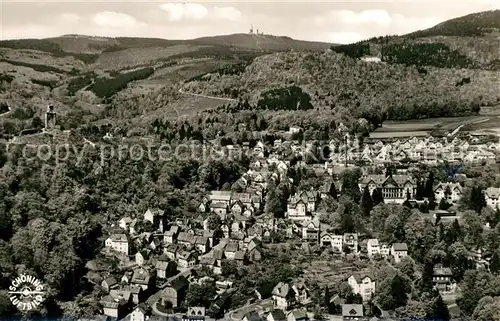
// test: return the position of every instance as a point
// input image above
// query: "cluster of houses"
(425, 150)
(159, 256)
(383, 148)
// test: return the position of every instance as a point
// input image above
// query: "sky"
(327, 21)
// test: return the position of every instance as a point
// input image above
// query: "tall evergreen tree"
(453, 234)
(424, 207)
(443, 205)
(388, 171)
(274, 202)
(399, 288)
(432, 201)
(441, 232)
(407, 200)
(495, 263)
(419, 193)
(428, 189)
(333, 191)
(366, 202)
(327, 299)
(427, 275)
(477, 200)
(439, 310)
(347, 223)
(36, 122)
(377, 196)
(350, 185)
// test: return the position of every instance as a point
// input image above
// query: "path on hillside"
(248, 307)
(456, 130)
(205, 96)
(7, 112)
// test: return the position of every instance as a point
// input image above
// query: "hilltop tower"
(50, 118)
(251, 29)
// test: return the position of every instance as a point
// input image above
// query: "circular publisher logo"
(26, 292)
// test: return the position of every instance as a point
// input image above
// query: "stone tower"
(50, 118)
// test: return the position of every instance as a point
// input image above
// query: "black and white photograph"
(249, 160)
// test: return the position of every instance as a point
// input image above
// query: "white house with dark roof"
(220, 209)
(300, 204)
(311, 230)
(297, 315)
(230, 250)
(301, 292)
(283, 296)
(491, 195)
(186, 238)
(395, 188)
(240, 258)
(362, 285)
(442, 279)
(139, 313)
(186, 259)
(202, 244)
(152, 213)
(119, 243)
(351, 240)
(171, 251)
(155, 216)
(220, 197)
(372, 247)
(352, 312)
(109, 283)
(237, 208)
(142, 278)
(165, 269)
(296, 209)
(385, 250)
(335, 241)
(399, 251)
(171, 235)
(142, 257)
(124, 223)
(194, 314)
(451, 191)
(114, 307)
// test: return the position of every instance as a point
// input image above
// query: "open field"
(399, 134)
(420, 127)
(489, 126)
(329, 272)
(187, 106)
(138, 56)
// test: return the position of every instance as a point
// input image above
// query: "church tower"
(50, 118)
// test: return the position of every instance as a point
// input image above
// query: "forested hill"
(471, 41)
(352, 88)
(452, 69)
(471, 25)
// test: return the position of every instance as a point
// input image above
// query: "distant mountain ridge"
(471, 42)
(96, 44)
(452, 69)
(474, 24)
(440, 71)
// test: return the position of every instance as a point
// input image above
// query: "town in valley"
(250, 177)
